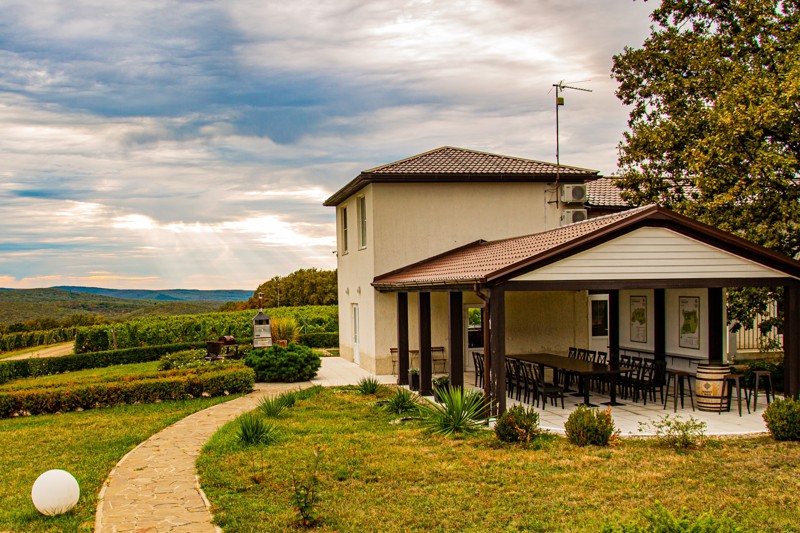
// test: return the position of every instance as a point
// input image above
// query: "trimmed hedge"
(191, 384)
(284, 365)
(44, 366)
(27, 339)
(320, 339)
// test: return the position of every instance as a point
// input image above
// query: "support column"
(425, 364)
(613, 328)
(402, 338)
(791, 340)
(456, 349)
(497, 335)
(660, 326)
(716, 326)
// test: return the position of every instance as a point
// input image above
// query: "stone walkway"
(155, 488)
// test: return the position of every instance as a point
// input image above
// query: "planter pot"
(413, 381)
(283, 343)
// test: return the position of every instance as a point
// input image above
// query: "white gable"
(651, 253)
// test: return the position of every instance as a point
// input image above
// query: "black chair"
(528, 383)
(477, 361)
(512, 377)
(546, 390)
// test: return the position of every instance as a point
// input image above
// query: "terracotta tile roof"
(449, 164)
(474, 262)
(603, 193)
(451, 160)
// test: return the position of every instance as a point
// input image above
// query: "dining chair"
(394, 355)
(546, 390)
(477, 361)
(530, 388)
(438, 359)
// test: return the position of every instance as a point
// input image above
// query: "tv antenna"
(560, 86)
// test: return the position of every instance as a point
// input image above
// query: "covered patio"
(675, 261)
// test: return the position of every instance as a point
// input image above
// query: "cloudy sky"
(190, 144)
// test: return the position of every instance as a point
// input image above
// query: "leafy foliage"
(304, 495)
(783, 419)
(587, 425)
(182, 359)
(285, 328)
(714, 120)
(307, 286)
(284, 365)
(253, 430)
(197, 328)
(192, 383)
(369, 385)
(517, 424)
(460, 412)
(674, 432)
(402, 401)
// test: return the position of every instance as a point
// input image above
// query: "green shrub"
(70, 363)
(783, 419)
(662, 521)
(320, 339)
(173, 386)
(182, 359)
(517, 424)
(676, 433)
(369, 385)
(284, 365)
(254, 430)
(460, 411)
(586, 425)
(402, 401)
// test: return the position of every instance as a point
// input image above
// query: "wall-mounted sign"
(689, 321)
(638, 318)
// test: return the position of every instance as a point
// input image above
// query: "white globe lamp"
(55, 492)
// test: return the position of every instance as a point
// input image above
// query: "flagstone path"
(155, 488)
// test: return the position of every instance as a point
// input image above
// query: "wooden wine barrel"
(710, 386)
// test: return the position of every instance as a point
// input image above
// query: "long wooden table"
(582, 369)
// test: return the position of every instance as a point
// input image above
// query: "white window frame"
(343, 216)
(361, 203)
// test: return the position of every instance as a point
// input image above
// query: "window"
(362, 222)
(343, 214)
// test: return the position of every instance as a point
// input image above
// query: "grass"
(378, 475)
(83, 377)
(86, 444)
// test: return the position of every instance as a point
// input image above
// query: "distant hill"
(177, 295)
(21, 305)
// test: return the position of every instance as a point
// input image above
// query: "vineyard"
(312, 321)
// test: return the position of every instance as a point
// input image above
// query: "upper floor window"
(343, 214)
(362, 222)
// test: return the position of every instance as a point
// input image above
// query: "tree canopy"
(307, 286)
(714, 127)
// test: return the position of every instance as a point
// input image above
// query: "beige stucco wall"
(410, 222)
(414, 221)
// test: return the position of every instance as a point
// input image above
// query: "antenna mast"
(559, 102)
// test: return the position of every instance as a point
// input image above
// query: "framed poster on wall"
(689, 321)
(638, 318)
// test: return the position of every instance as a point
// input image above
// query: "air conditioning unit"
(573, 193)
(568, 216)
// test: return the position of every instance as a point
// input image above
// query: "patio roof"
(451, 164)
(489, 263)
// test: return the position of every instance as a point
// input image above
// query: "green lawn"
(84, 377)
(380, 476)
(87, 444)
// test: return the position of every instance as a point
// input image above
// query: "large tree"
(715, 118)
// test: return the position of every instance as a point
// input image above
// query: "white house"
(423, 240)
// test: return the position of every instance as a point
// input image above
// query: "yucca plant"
(402, 401)
(254, 430)
(272, 406)
(289, 398)
(459, 413)
(369, 385)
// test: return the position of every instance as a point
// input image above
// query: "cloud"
(168, 143)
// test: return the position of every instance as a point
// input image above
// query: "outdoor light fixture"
(55, 492)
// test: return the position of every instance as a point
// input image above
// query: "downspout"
(486, 345)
